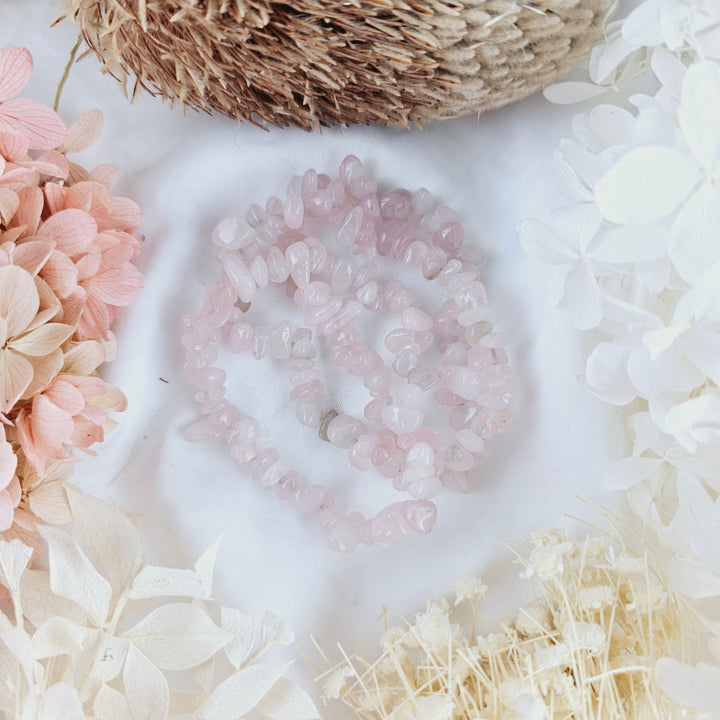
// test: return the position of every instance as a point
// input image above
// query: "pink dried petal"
(85, 433)
(45, 370)
(89, 265)
(51, 163)
(16, 373)
(55, 197)
(19, 299)
(126, 213)
(106, 175)
(43, 431)
(72, 230)
(8, 464)
(77, 173)
(13, 145)
(117, 286)
(14, 490)
(7, 511)
(16, 66)
(61, 274)
(30, 210)
(73, 305)
(66, 396)
(90, 386)
(94, 322)
(42, 126)
(9, 204)
(32, 255)
(83, 132)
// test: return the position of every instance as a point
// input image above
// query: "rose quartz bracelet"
(450, 358)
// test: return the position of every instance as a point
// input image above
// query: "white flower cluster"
(102, 635)
(641, 245)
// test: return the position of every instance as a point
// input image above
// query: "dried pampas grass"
(585, 649)
(325, 62)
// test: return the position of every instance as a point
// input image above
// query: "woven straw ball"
(323, 62)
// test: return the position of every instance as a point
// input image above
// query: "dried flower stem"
(66, 73)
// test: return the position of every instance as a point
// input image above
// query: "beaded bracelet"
(452, 356)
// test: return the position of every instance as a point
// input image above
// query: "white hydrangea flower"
(432, 629)
(469, 588)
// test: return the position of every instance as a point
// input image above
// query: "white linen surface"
(188, 170)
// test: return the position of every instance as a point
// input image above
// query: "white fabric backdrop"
(187, 170)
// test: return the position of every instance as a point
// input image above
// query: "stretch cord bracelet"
(449, 358)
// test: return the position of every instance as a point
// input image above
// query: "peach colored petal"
(45, 370)
(42, 126)
(13, 146)
(49, 502)
(9, 203)
(9, 238)
(31, 207)
(66, 396)
(118, 286)
(51, 163)
(19, 299)
(32, 255)
(43, 431)
(16, 373)
(43, 340)
(84, 358)
(8, 464)
(72, 230)
(126, 213)
(77, 173)
(50, 306)
(83, 132)
(89, 265)
(56, 197)
(89, 386)
(15, 69)
(14, 490)
(73, 305)
(61, 274)
(94, 323)
(7, 511)
(113, 400)
(86, 433)
(106, 175)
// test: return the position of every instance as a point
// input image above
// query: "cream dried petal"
(19, 299)
(16, 374)
(43, 340)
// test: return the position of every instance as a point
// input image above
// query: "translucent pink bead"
(422, 201)
(362, 187)
(278, 270)
(349, 230)
(264, 460)
(407, 360)
(472, 295)
(425, 488)
(398, 339)
(343, 275)
(243, 452)
(469, 317)
(319, 256)
(309, 182)
(416, 320)
(350, 311)
(397, 296)
(280, 340)
(255, 215)
(317, 293)
(455, 457)
(318, 204)
(303, 350)
(416, 253)
(377, 381)
(421, 454)
(367, 293)
(286, 486)
(361, 451)
(449, 237)
(310, 412)
(438, 217)
(298, 259)
(470, 441)
(309, 498)
(373, 410)
(208, 378)
(259, 271)
(294, 211)
(203, 431)
(233, 233)
(463, 381)
(401, 420)
(396, 204)
(424, 378)
(434, 263)
(239, 275)
(322, 313)
(343, 430)
(343, 537)
(261, 343)
(478, 331)
(350, 169)
(419, 515)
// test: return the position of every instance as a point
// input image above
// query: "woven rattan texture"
(324, 62)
